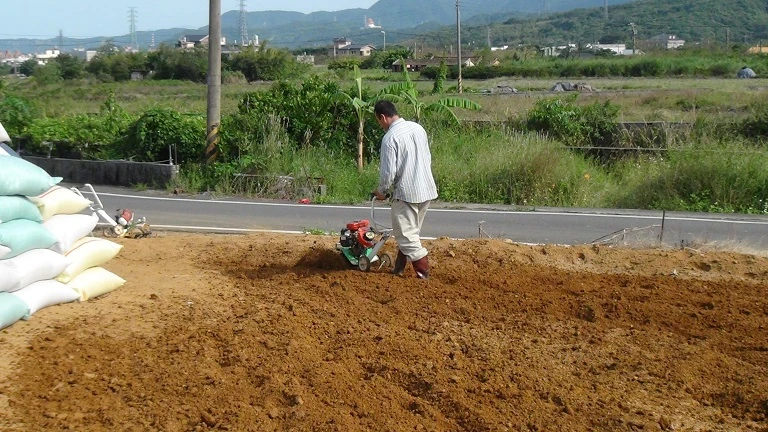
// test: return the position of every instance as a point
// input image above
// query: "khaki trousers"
(406, 227)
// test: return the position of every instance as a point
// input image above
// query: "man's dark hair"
(385, 107)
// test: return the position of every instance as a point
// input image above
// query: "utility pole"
(458, 43)
(214, 81)
(605, 9)
(489, 37)
(385, 39)
(61, 40)
(634, 38)
(243, 24)
(132, 22)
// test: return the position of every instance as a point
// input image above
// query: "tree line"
(167, 63)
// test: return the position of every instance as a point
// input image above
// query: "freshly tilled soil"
(278, 332)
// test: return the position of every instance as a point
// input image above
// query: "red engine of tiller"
(362, 233)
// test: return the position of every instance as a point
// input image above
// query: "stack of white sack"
(3, 138)
(41, 225)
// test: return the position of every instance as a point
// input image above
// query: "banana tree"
(406, 91)
(362, 109)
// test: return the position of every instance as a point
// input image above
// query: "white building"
(194, 41)
(44, 58)
(557, 50)
(616, 48)
(14, 58)
(368, 23)
(84, 54)
(667, 41)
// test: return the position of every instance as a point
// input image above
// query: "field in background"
(708, 156)
(640, 99)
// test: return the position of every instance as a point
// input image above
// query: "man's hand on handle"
(378, 195)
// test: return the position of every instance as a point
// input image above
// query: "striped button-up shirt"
(406, 163)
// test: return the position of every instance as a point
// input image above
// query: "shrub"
(268, 64)
(592, 125)
(160, 130)
(16, 114)
(81, 135)
(312, 114)
(168, 63)
(344, 63)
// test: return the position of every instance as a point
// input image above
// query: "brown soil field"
(276, 332)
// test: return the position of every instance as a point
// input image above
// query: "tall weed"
(706, 176)
(513, 168)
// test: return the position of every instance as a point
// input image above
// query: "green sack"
(19, 177)
(23, 235)
(14, 207)
(12, 309)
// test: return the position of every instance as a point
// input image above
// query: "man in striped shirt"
(406, 172)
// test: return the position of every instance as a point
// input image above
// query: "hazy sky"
(92, 18)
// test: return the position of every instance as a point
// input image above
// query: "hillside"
(509, 22)
(696, 21)
(295, 29)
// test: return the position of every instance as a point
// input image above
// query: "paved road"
(559, 226)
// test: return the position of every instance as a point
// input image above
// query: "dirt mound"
(278, 332)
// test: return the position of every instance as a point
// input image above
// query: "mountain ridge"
(279, 26)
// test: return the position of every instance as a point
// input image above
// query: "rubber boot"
(400, 263)
(422, 268)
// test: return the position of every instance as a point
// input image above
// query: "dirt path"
(276, 332)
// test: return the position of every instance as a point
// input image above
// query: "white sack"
(59, 200)
(70, 228)
(86, 253)
(45, 293)
(4, 137)
(30, 267)
(94, 282)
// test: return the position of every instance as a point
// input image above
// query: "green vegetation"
(166, 63)
(284, 139)
(660, 65)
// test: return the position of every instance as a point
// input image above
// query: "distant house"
(666, 41)
(306, 58)
(555, 51)
(616, 48)
(345, 47)
(84, 54)
(42, 59)
(416, 65)
(194, 41)
(137, 75)
(13, 58)
(758, 50)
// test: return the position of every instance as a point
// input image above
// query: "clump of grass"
(706, 175)
(506, 167)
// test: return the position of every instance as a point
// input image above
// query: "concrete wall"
(113, 173)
